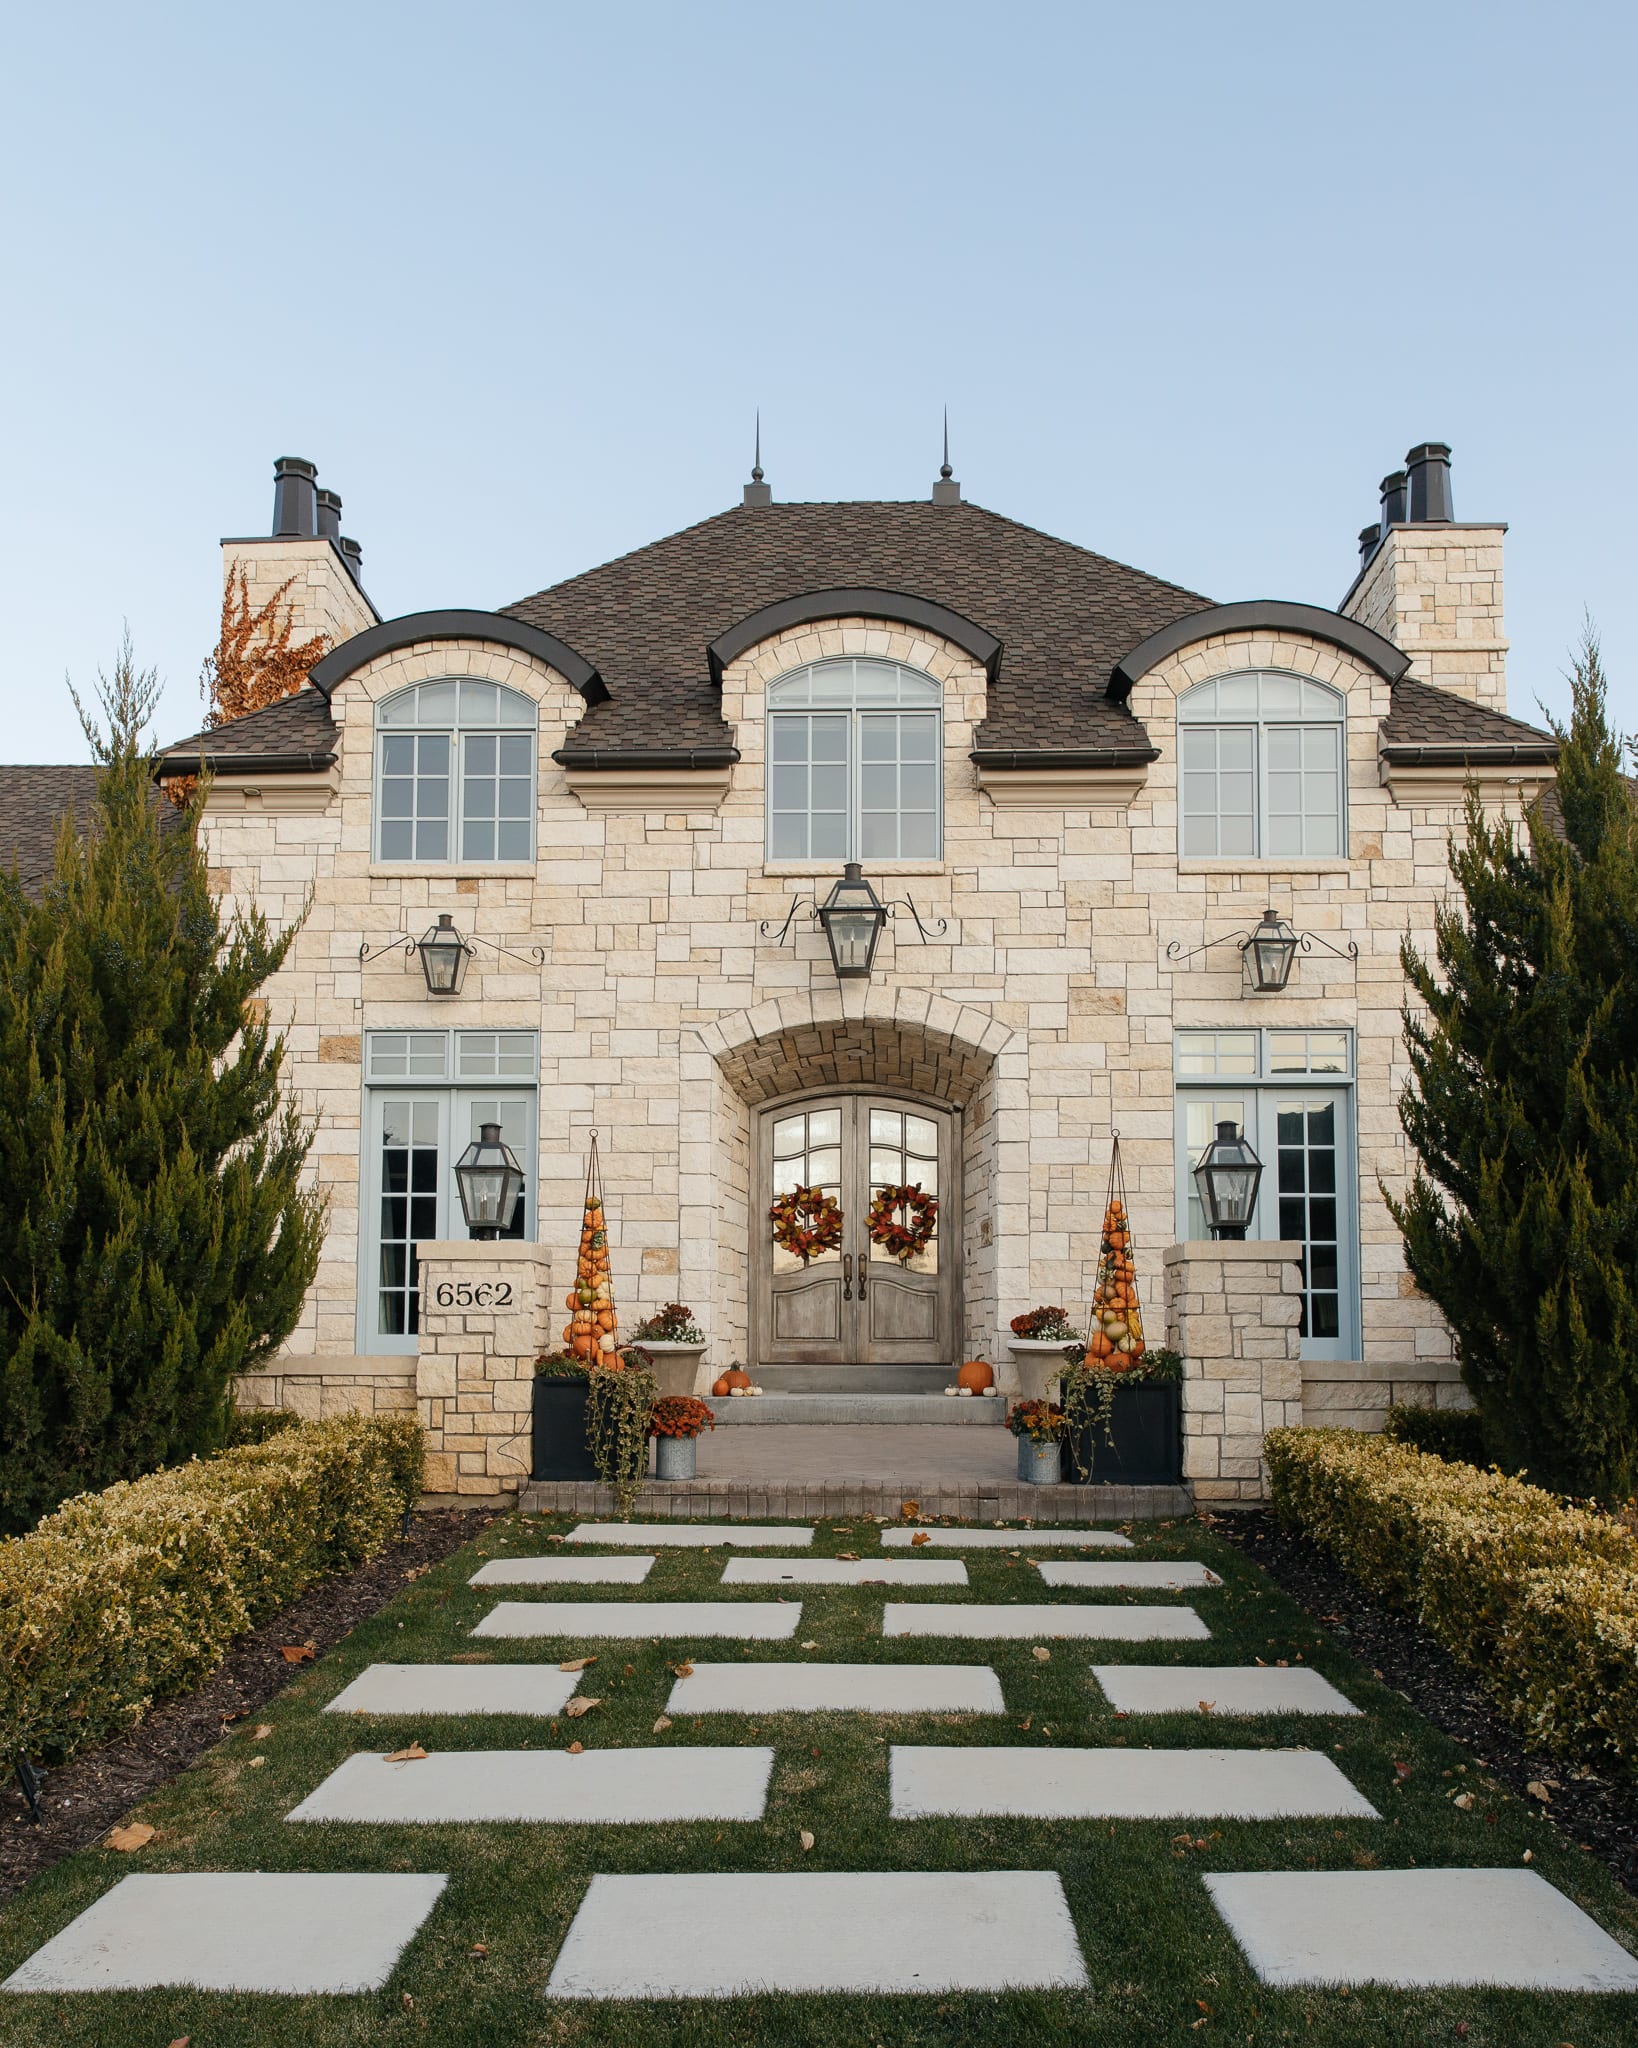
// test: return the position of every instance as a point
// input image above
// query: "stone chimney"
(307, 550)
(1432, 584)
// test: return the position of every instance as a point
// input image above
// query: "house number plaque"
(473, 1294)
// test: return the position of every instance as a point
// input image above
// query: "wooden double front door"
(855, 1305)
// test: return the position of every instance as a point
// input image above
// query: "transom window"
(1261, 760)
(854, 763)
(455, 773)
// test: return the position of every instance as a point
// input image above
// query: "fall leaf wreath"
(806, 1221)
(902, 1239)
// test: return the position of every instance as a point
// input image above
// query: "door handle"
(847, 1277)
(864, 1268)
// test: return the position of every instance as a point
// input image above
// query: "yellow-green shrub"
(123, 1596)
(1540, 1598)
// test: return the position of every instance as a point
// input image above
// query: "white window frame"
(1277, 702)
(464, 724)
(456, 1068)
(856, 688)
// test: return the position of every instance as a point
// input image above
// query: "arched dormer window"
(855, 763)
(1261, 767)
(455, 773)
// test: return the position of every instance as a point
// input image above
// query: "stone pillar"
(1232, 1310)
(485, 1310)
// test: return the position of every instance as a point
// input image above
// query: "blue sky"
(1190, 279)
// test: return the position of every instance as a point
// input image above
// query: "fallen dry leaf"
(264, 1730)
(1207, 1706)
(681, 1670)
(256, 1762)
(921, 1536)
(661, 1725)
(810, 1646)
(1041, 1654)
(909, 1507)
(413, 1755)
(847, 1557)
(478, 1948)
(1529, 1855)
(181, 2041)
(577, 1664)
(576, 1749)
(554, 1539)
(297, 1653)
(806, 1839)
(576, 1708)
(1537, 1790)
(137, 1836)
(1463, 1800)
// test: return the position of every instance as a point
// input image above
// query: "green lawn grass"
(1163, 1968)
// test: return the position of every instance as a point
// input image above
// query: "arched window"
(455, 773)
(854, 763)
(1261, 767)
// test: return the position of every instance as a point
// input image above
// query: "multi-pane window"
(455, 773)
(854, 763)
(1260, 763)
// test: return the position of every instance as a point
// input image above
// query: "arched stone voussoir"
(908, 1040)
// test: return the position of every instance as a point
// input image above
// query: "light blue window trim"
(1261, 768)
(855, 763)
(455, 773)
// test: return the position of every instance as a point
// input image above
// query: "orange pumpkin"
(720, 1387)
(977, 1373)
(735, 1378)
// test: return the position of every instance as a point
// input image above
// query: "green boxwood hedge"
(1538, 1597)
(123, 1596)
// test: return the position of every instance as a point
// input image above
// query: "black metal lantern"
(1226, 1174)
(490, 1180)
(853, 916)
(444, 954)
(1269, 954)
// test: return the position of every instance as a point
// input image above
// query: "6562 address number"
(473, 1294)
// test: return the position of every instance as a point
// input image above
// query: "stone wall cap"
(508, 1250)
(1271, 1250)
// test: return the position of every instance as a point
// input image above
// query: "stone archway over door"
(854, 1305)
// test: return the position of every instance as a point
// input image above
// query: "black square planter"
(560, 1447)
(1146, 1424)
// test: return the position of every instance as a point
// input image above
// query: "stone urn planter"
(676, 1366)
(1040, 1464)
(1040, 1364)
(676, 1457)
(1145, 1439)
(560, 1449)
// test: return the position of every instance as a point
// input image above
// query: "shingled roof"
(1064, 617)
(1427, 727)
(33, 799)
(295, 734)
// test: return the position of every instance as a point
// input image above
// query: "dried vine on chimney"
(254, 663)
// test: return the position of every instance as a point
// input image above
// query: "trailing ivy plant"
(1089, 1396)
(619, 1401)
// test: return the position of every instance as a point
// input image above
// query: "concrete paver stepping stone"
(695, 1535)
(723, 1934)
(1218, 1689)
(747, 1620)
(1419, 1929)
(605, 1786)
(1139, 1573)
(564, 1571)
(457, 1689)
(841, 1571)
(1005, 1539)
(837, 1688)
(1123, 1784)
(295, 1932)
(1042, 1623)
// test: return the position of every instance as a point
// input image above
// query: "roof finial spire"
(756, 491)
(946, 491)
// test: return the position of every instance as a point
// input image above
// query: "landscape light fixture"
(490, 1181)
(1226, 1174)
(444, 954)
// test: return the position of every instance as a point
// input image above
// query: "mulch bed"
(83, 1798)
(1598, 1813)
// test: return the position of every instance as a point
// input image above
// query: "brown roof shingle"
(297, 732)
(33, 799)
(1431, 727)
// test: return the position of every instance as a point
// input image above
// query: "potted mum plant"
(675, 1422)
(561, 1447)
(676, 1343)
(1040, 1427)
(1043, 1341)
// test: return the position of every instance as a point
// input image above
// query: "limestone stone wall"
(1232, 1310)
(485, 1307)
(322, 598)
(314, 1388)
(1436, 591)
(1047, 1007)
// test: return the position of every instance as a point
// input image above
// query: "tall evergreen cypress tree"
(1521, 1220)
(154, 1240)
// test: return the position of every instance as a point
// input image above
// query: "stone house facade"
(1078, 787)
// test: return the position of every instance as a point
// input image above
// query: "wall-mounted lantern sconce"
(853, 918)
(490, 1181)
(1227, 1174)
(1268, 952)
(444, 954)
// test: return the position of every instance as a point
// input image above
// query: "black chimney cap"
(1430, 495)
(1370, 539)
(353, 555)
(295, 501)
(329, 515)
(1393, 499)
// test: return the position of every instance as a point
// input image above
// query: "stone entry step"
(874, 1570)
(539, 1689)
(1123, 1784)
(1419, 1930)
(1021, 1540)
(837, 1689)
(1138, 1574)
(839, 1409)
(1042, 1624)
(854, 1379)
(724, 1934)
(1227, 1689)
(629, 1620)
(302, 1933)
(605, 1787)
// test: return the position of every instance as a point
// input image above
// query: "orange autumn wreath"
(902, 1240)
(806, 1221)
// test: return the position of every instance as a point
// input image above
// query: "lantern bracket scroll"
(1267, 952)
